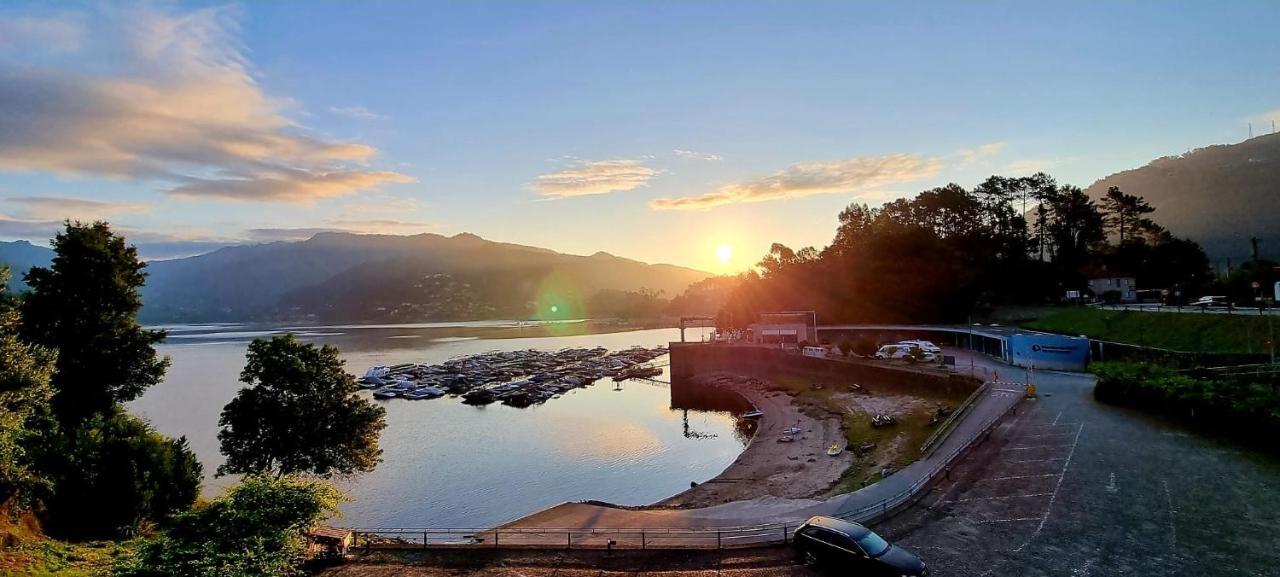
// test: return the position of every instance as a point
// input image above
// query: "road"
(1073, 487)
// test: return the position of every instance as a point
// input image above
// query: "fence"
(653, 538)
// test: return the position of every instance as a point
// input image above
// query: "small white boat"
(385, 393)
(791, 431)
(753, 414)
(786, 439)
(834, 450)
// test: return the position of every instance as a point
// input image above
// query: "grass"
(50, 558)
(910, 432)
(1188, 332)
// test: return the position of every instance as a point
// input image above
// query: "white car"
(1211, 301)
(900, 351)
(926, 346)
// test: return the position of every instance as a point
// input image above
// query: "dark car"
(843, 545)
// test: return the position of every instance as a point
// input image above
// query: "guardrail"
(944, 429)
(650, 538)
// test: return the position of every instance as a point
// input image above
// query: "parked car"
(927, 346)
(837, 543)
(1211, 301)
(901, 352)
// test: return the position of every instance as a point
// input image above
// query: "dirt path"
(768, 467)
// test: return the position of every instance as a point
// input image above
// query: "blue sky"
(653, 130)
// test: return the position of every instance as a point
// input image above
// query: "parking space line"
(1039, 460)
(1035, 447)
(1055, 419)
(1018, 477)
(1018, 520)
(1054, 496)
(998, 498)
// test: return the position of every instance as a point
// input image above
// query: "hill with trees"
(338, 277)
(1220, 196)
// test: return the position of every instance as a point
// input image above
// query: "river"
(446, 464)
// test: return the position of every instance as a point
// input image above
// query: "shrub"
(111, 475)
(864, 346)
(256, 529)
(1234, 404)
(846, 347)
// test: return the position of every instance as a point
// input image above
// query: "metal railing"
(945, 427)
(651, 537)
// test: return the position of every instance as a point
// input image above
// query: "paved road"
(1071, 487)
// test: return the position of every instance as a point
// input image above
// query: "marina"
(515, 378)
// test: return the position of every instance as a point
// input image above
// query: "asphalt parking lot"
(1069, 486)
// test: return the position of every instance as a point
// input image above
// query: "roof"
(325, 532)
(847, 527)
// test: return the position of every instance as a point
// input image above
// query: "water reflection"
(446, 463)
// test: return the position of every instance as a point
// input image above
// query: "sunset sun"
(724, 252)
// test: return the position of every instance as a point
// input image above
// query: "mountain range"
(1219, 196)
(341, 277)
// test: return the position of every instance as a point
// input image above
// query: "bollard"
(424, 539)
(643, 543)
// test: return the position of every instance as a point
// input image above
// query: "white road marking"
(1054, 496)
(1039, 460)
(1111, 485)
(1018, 477)
(1035, 447)
(1001, 498)
(1173, 529)
(1018, 520)
(1055, 419)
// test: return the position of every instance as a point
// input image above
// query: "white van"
(926, 346)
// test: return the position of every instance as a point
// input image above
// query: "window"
(873, 544)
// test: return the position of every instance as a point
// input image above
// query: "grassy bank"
(1190, 332)
(49, 558)
(1228, 404)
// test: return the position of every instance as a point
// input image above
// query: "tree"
(1125, 212)
(24, 388)
(846, 346)
(299, 413)
(864, 346)
(85, 306)
(255, 530)
(111, 475)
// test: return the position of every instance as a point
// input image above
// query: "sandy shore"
(799, 469)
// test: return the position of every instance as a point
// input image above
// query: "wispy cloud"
(175, 102)
(695, 155)
(357, 112)
(863, 173)
(596, 177)
(980, 152)
(1028, 167)
(57, 208)
(59, 34)
(354, 226)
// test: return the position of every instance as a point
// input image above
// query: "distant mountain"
(1219, 196)
(339, 277)
(20, 256)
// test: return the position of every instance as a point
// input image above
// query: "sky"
(692, 133)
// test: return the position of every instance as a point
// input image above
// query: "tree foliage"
(255, 530)
(24, 389)
(112, 474)
(85, 306)
(298, 413)
(948, 252)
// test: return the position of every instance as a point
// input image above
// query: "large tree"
(85, 306)
(1125, 214)
(299, 413)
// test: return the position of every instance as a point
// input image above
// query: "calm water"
(450, 464)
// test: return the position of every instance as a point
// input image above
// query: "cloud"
(11, 227)
(357, 112)
(169, 98)
(596, 177)
(694, 155)
(151, 245)
(60, 34)
(57, 208)
(863, 173)
(983, 151)
(1262, 123)
(369, 226)
(1028, 167)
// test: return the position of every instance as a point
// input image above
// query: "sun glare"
(724, 252)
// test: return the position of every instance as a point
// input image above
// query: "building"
(789, 327)
(328, 542)
(1124, 288)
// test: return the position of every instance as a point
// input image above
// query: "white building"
(1126, 286)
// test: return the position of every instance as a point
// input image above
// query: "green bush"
(255, 530)
(846, 347)
(1236, 405)
(111, 475)
(864, 346)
